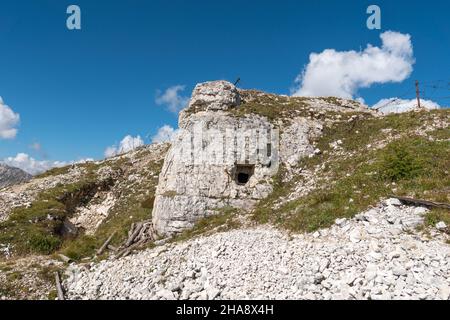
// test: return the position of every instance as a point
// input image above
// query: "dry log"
(130, 232)
(112, 248)
(134, 234)
(103, 247)
(139, 234)
(59, 287)
(145, 227)
(127, 250)
(426, 203)
(142, 234)
(64, 258)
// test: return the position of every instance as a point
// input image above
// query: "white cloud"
(342, 73)
(29, 164)
(172, 98)
(8, 121)
(396, 105)
(127, 144)
(110, 152)
(82, 161)
(165, 134)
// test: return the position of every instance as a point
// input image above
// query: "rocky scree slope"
(375, 255)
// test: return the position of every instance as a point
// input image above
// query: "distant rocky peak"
(10, 176)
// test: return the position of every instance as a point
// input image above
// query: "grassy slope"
(411, 165)
(35, 229)
(133, 205)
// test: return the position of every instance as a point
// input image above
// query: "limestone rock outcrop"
(215, 95)
(220, 159)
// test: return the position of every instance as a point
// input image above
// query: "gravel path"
(376, 255)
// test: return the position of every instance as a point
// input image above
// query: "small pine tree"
(399, 163)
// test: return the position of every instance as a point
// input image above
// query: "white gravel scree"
(379, 254)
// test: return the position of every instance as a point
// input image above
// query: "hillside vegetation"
(361, 159)
(42, 227)
(400, 154)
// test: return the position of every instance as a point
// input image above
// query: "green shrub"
(43, 243)
(84, 246)
(400, 163)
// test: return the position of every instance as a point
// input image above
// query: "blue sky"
(78, 92)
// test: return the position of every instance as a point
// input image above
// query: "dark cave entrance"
(243, 173)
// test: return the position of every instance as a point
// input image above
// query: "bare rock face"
(215, 95)
(211, 165)
(295, 140)
(222, 160)
(216, 161)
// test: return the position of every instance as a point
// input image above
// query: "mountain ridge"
(11, 175)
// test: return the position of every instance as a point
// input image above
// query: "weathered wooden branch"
(130, 232)
(145, 228)
(105, 245)
(59, 287)
(134, 234)
(425, 203)
(139, 234)
(127, 250)
(112, 248)
(64, 258)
